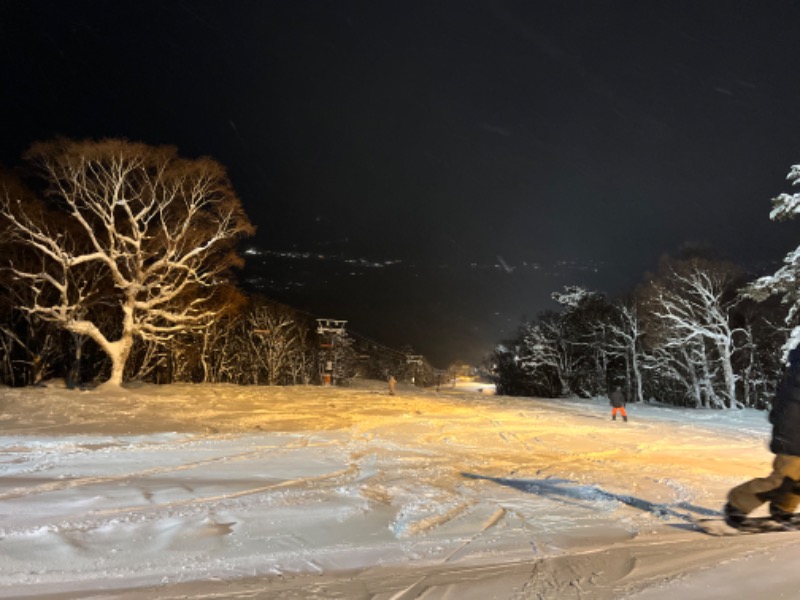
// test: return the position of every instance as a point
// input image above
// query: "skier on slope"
(778, 488)
(617, 401)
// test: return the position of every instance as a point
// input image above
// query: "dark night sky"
(441, 133)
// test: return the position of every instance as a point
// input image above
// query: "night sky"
(454, 136)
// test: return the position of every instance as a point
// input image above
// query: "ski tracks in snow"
(439, 485)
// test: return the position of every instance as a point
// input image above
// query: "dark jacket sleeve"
(785, 416)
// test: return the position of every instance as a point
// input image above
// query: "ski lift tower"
(328, 330)
(416, 360)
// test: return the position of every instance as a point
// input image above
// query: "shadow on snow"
(567, 491)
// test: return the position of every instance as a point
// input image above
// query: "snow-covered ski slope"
(215, 491)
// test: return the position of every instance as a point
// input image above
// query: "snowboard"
(718, 527)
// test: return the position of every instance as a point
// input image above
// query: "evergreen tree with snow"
(784, 282)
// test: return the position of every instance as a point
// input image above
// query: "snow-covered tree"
(584, 339)
(279, 344)
(542, 358)
(690, 306)
(560, 354)
(159, 230)
(759, 357)
(225, 352)
(785, 282)
(624, 341)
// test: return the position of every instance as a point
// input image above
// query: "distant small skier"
(617, 401)
(392, 385)
(779, 487)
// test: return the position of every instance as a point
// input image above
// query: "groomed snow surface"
(215, 491)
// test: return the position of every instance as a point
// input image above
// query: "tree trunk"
(637, 375)
(119, 352)
(727, 373)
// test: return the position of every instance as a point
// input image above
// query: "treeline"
(117, 263)
(689, 336)
(262, 342)
(699, 332)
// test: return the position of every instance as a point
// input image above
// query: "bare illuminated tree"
(624, 341)
(226, 352)
(280, 344)
(692, 303)
(158, 230)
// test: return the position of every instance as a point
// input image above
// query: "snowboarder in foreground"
(778, 488)
(617, 401)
